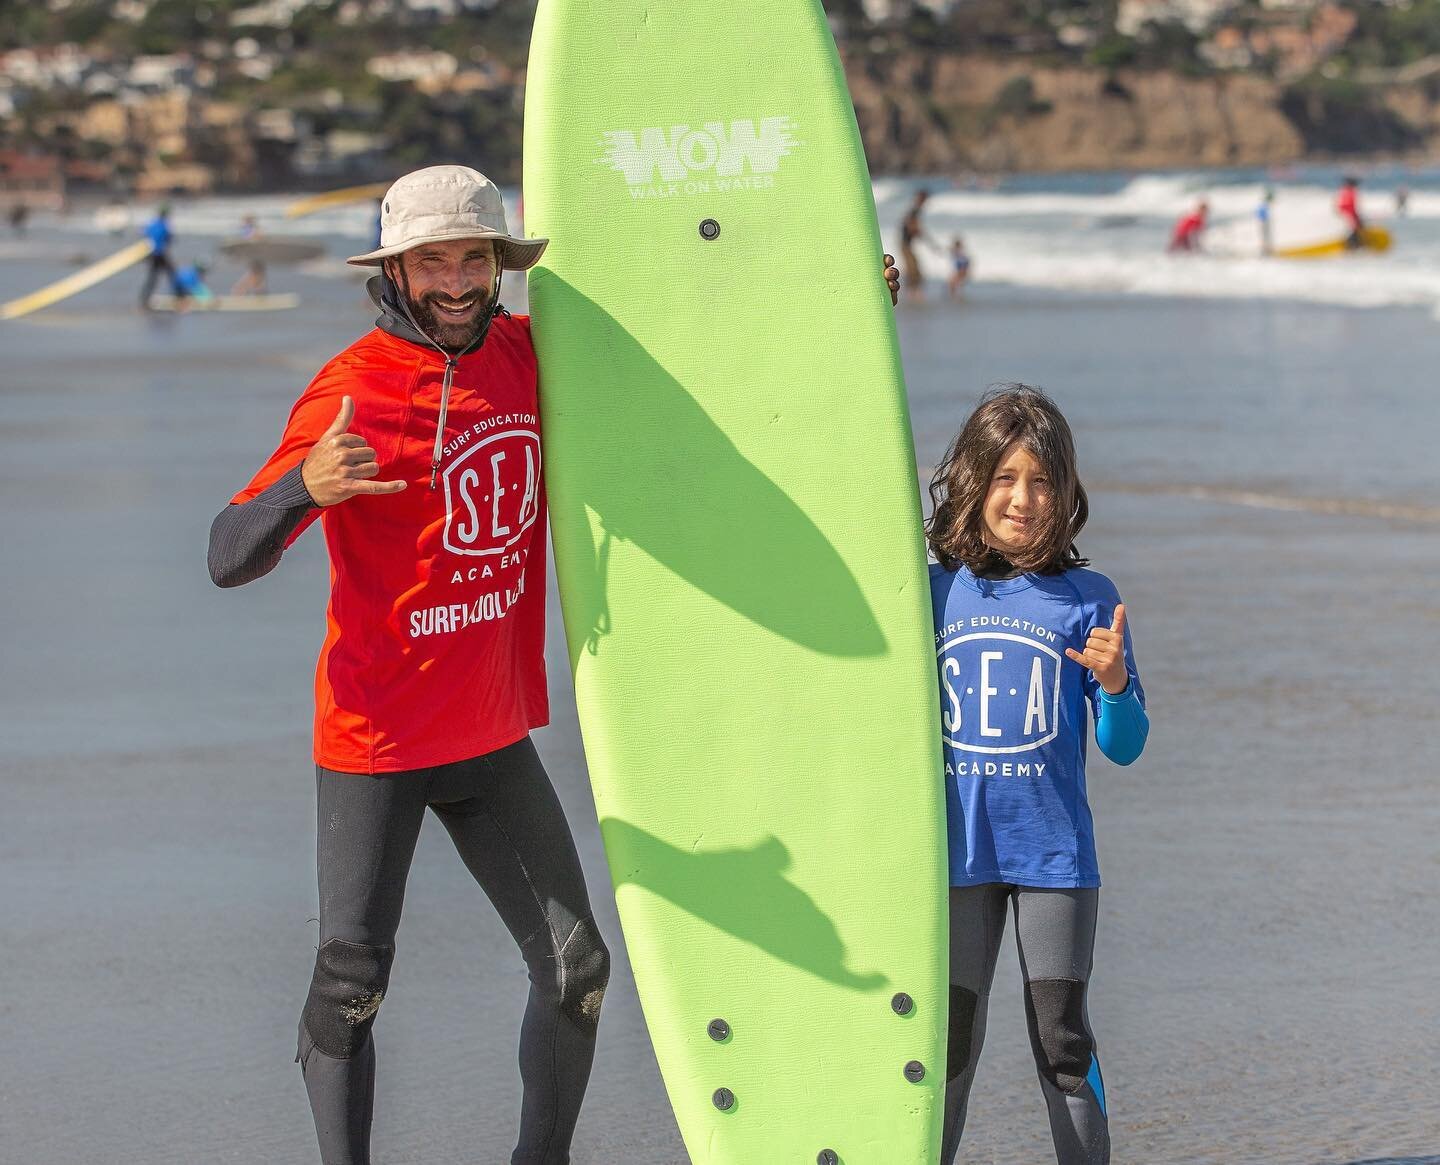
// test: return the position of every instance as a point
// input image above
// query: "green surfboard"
(738, 543)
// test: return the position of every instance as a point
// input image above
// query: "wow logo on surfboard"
(663, 162)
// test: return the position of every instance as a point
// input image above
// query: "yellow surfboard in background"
(1376, 239)
(74, 284)
(334, 198)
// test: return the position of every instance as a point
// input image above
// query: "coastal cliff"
(935, 113)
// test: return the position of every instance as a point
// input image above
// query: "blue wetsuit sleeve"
(1122, 726)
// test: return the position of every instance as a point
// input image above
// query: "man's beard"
(453, 337)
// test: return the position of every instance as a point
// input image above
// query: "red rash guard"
(434, 650)
(1187, 231)
(1346, 202)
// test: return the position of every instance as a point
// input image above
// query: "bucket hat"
(442, 203)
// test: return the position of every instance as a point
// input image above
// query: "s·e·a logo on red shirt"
(492, 493)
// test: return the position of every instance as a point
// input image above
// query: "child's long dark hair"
(956, 530)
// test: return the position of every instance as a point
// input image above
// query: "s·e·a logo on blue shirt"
(1000, 693)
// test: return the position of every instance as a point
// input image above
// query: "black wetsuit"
(508, 827)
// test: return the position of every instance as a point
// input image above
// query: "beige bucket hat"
(441, 203)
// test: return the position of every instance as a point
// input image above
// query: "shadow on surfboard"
(722, 886)
(782, 572)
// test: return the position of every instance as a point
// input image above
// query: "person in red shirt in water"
(1347, 205)
(1190, 229)
(418, 449)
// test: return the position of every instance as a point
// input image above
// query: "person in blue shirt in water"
(157, 230)
(1264, 216)
(1030, 645)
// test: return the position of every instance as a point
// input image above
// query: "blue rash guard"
(189, 281)
(1013, 723)
(157, 230)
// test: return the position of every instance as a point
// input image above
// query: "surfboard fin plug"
(914, 1071)
(902, 1004)
(724, 1099)
(719, 1030)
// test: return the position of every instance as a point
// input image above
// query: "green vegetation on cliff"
(993, 84)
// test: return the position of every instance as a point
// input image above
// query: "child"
(253, 281)
(959, 266)
(190, 282)
(1026, 638)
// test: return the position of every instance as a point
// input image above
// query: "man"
(1347, 205)
(1190, 230)
(1264, 215)
(418, 448)
(157, 230)
(912, 231)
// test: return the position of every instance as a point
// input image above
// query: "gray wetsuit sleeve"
(246, 540)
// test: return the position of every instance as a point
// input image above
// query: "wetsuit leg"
(511, 832)
(1055, 931)
(158, 263)
(367, 832)
(914, 282)
(977, 924)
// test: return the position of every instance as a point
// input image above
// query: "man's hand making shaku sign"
(341, 465)
(1105, 654)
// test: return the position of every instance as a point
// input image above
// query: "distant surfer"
(432, 675)
(1189, 232)
(1008, 506)
(190, 283)
(1402, 201)
(253, 282)
(157, 230)
(912, 231)
(1264, 214)
(19, 216)
(1347, 205)
(959, 267)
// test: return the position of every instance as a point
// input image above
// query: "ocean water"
(1108, 233)
(1264, 492)
(1102, 233)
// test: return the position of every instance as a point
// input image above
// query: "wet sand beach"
(1263, 492)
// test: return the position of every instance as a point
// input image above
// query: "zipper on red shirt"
(450, 364)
